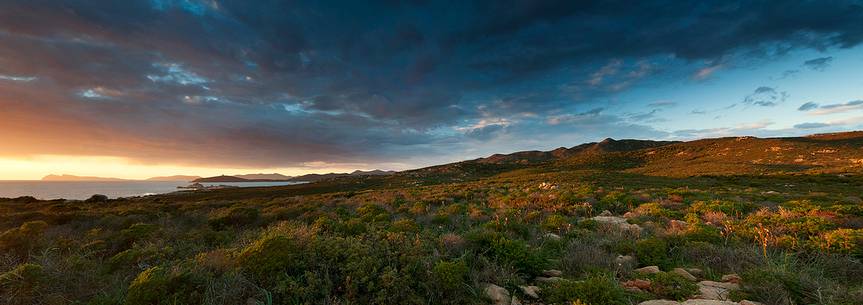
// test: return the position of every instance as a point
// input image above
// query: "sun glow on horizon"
(36, 167)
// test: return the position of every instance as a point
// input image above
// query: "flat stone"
(647, 270)
(682, 272)
(659, 302)
(548, 280)
(748, 302)
(732, 278)
(695, 271)
(715, 290)
(531, 291)
(551, 236)
(707, 302)
(552, 273)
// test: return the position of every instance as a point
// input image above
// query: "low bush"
(672, 286)
(596, 289)
(652, 252)
(161, 285)
(233, 217)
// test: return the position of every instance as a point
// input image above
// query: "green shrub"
(270, 257)
(672, 286)
(597, 289)
(159, 285)
(22, 277)
(781, 285)
(404, 225)
(555, 222)
(652, 251)
(449, 277)
(21, 240)
(518, 254)
(234, 217)
(135, 232)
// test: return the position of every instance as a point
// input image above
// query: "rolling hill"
(821, 153)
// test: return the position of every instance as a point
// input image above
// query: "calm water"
(85, 189)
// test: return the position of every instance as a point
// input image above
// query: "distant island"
(273, 176)
(180, 178)
(78, 178)
(302, 178)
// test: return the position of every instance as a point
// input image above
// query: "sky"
(141, 88)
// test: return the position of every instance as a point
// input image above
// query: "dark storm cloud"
(280, 83)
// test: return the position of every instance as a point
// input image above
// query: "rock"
(531, 291)
(552, 273)
(659, 302)
(682, 272)
(853, 199)
(624, 260)
(707, 302)
(647, 270)
(677, 225)
(514, 301)
(606, 213)
(715, 290)
(633, 289)
(619, 222)
(98, 198)
(548, 280)
(695, 271)
(732, 278)
(637, 283)
(748, 302)
(497, 294)
(551, 236)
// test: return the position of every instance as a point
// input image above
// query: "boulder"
(97, 198)
(853, 199)
(552, 273)
(618, 222)
(606, 213)
(659, 302)
(498, 295)
(637, 283)
(625, 260)
(531, 291)
(715, 290)
(551, 236)
(514, 301)
(748, 302)
(695, 271)
(648, 270)
(677, 225)
(685, 274)
(732, 278)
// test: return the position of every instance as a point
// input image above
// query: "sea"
(78, 190)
